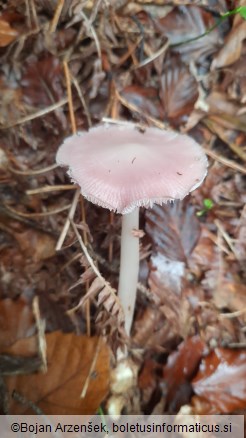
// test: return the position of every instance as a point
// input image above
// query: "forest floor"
(69, 65)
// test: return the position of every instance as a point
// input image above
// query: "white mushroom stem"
(129, 266)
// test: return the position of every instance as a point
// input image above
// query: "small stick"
(43, 214)
(69, 218)
(47, 189)
(34, 14)
(75, 83)
(56, 17)
(89, 258)
(37, 114)
(28, 15)
(93, 32)
(153, 56)
(33, 172)
(42, 346)
(69, 95)
(135, 108)
(225, 236)
(225, 161)
(92, 367)
(233, 314)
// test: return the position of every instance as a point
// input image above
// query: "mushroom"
(121, 168)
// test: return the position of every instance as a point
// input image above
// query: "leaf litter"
(179, 64)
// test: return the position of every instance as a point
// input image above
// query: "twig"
(93, 32)
(226, 237)
(95, 10)
(92, 367)
(233, 314)
(69, 218)
(33, 172)
(76, 84)
(237, 345)
(43, 214)
(214, 127)
(225, 161)
(88, 257)
(41, 333)
(34, 14)
(153, 56)
(69, 95)
(133, 107)
(37, 114)
(47, 189)
(56, 17)
(28, 15)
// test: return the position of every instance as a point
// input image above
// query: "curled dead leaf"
(232, 48)
(7, 33)
(221, 381)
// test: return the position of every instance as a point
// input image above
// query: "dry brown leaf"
(42, 81)
(36, 245)
(58, 391)
(205, 255)
(232, 48)
(186, 22)
(221, 382)
(234, 81)
(7, 33)
(230, 295)
(145, 99)
(179, 370)
(25, 347)
(21, 358)
(16, 322)
(174, 229)
(151, 330)
(178, 91)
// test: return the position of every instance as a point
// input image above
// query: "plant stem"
(129, 266)
(240, 10)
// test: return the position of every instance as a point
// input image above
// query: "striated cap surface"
(120, 168)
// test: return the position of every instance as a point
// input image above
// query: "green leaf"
(242, 12)
(208, 203)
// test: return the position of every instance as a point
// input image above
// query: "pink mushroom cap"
(121, 168)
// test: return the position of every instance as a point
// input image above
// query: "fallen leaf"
(146, 99)
(225, 111)
(16, 322)
(42, 81)
(221, 381)
(230, 295)
(178, 91)
(186, 22)
(174, 229)
(36, 245)
(7, 33)
(234, 81)
(180, 369)
(152, 330)
(231, 50)
(205, 255)
(58, 392)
